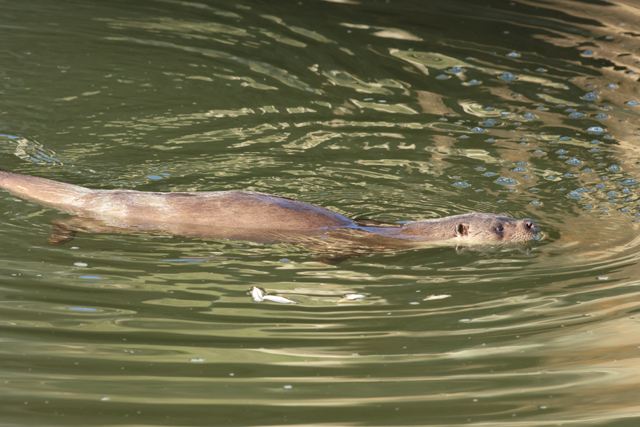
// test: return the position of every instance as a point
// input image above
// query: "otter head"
(472, 228)
(478, 227)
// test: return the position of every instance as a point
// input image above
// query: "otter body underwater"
(251, 216)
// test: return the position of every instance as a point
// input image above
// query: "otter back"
(239, 209)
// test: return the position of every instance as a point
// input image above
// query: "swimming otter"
(243, 215)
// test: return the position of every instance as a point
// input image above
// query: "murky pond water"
(390, 110)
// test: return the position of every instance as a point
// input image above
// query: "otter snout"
(531, 227)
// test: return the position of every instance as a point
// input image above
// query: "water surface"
(390, 110)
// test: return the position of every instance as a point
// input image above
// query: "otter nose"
(530, 224)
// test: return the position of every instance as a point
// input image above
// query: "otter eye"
(499, 229)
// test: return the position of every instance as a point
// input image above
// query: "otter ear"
(462, 230)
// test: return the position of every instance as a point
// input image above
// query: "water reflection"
(386, 110)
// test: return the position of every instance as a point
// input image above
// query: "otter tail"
(44, 191)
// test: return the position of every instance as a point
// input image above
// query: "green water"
(391, 110)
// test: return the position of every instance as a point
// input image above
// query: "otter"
(246, 215)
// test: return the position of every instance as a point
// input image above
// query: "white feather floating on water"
(279, 299)
(434, 297)
(258, 296)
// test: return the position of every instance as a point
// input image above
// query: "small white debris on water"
(603, 277)
(80, 264)
(352, 297)
(258, 296)
(433, 297)
(104, 399)
(281, 300)
(196, 360)
(288, 387)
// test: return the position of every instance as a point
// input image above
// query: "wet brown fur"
(243, 215)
